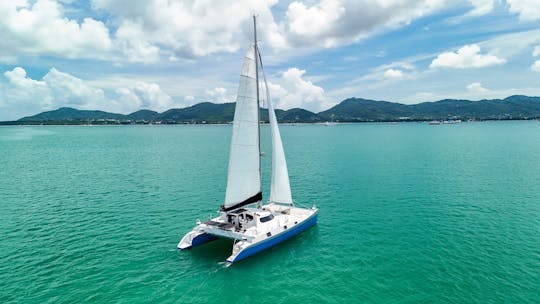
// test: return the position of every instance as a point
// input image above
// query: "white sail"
(280, 188)
(244, 177)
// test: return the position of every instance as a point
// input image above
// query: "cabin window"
(267, 218)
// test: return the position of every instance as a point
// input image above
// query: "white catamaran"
(252, 225)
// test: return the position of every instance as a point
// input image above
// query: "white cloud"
(481, 7)
(536, 51)
(185, 28)
(219, 95)
(329, 23)
(39, 28)
(292, 91)
(466, 57)
(476, 87)
(512, 44)
(189, 100)
(536, 66)
(130, 40)
(21, 96)
(147, 31)
(144, 95)
(393, 74)
(69, 90)
(315, 20)
(528, 10)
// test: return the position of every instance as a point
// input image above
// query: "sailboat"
(243, 217)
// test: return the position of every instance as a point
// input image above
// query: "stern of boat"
(194, 238)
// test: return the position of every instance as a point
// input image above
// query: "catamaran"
(243, 217)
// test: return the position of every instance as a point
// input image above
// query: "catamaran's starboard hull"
(274, 240)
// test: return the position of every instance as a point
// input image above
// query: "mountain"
(71, 114)
(205, 111)
(349, 110)
(297, 115)
(511, 107)
(147, 115)
(224, 113)
(358, 109)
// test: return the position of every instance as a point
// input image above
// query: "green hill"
(203, 112)
(147, 115)
(297, 115)
(357, 109)
(71, 114)
(349, 110)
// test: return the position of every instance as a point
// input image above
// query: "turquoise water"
(409, 213)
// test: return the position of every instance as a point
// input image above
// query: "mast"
(244, 179)
(258, 103)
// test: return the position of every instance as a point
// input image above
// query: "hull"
(274, 240)
(194, 239)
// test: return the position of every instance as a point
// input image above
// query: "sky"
(125, 55)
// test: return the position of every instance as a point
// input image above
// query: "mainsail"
(244, 176)
(280, 188)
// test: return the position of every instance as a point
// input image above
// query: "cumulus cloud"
(393, 74)
(466, 57)
(144, 30)
(329, 23)
(39, 28)
(21, 95)
(187, 28)
(536, 66)
(147, 31)
(528, 10)
(131, 41)
(219, 95)
(291, 90)
(536, 51)
(70, 90)
(476, 87)
(144, 95)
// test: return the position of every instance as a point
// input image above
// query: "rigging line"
(256, 49)
(264, 79)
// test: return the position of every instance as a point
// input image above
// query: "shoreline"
(57, 123)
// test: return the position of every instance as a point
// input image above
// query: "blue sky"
(121, 56)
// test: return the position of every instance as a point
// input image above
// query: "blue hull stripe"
(201, 239)
(278, 238)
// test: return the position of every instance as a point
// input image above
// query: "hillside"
(358, 110)
(71, 114)
(349, 110)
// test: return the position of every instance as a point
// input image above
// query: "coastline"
(129, 123)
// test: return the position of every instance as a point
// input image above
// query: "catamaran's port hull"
(274, 240)
(195, 238)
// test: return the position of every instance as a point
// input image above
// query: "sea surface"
(409, 213)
